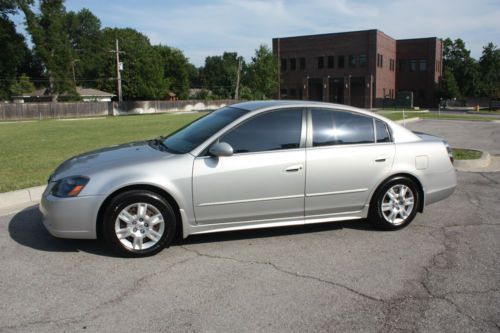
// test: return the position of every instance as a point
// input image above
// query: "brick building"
(358, 68)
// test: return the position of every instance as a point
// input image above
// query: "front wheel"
(138, 223)
(395, 204)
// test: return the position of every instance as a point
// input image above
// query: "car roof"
(257, 105)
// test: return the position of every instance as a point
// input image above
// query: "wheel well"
(161, 192)
(414, 179)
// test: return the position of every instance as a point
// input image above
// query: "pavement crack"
(494, 181)
(282, 270)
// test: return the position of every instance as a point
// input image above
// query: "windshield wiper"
(159, 142)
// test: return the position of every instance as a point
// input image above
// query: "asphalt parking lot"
(441, 273)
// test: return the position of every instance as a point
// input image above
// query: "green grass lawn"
(396, 115)
(30, 151)
(466, 154)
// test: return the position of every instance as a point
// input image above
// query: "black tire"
(130, 198)
(376, 214)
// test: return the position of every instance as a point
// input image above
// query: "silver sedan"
(249, 165)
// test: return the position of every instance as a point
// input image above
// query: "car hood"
(125, 154)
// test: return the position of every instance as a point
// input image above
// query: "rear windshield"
(191, 136)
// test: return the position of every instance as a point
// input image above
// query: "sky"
(205, 28)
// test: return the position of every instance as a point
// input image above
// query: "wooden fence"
(30, 111)
(33, 111)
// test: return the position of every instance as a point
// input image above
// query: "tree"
(143, 74)
(490, 71)
(449, 88)
(12, 54)
(7, 7)
(51, 43)
(15, 57)
(176, 70)
(85, 36)
(23, 85)
(219, 74)
(261, 75)
(462, 66)
(194, 76)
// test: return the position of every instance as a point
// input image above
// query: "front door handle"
(381, 158)
(294, 168)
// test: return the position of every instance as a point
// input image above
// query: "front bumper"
(70, 217)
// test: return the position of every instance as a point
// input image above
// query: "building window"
(321, 62)
(283, 94)
(392, 65)
(283, 65)
(302, 63)
(363, 60)
(413, 65)
(380, 60)
(293, 93)
(422, 66)
(331, 61)
(293, 64)
(352, 61)
(340, 62)
(401, 65)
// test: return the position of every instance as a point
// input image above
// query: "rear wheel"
(138, 223)
(395, 204)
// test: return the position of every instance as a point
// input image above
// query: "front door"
(263, 181)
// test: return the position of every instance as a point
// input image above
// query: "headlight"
(69, 186)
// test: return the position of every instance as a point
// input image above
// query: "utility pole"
(73, 67)
(237, 92)
(119, 67)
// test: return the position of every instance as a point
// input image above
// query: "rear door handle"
(381, 158)
(294, 168)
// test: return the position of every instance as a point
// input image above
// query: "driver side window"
(275, 130)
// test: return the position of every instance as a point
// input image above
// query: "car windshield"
(191, 136)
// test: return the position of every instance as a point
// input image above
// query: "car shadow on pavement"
(26, 228)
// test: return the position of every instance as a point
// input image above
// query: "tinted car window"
(382, 131)
(191, 136)
(270, 131)
(340, 128)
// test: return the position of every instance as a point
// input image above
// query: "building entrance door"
(315, 89)
(336, 91)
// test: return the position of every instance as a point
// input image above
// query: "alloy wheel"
(139, 226)
(397, 204)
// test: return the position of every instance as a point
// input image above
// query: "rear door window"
(332, 127)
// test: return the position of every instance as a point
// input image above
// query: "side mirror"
(221, 149)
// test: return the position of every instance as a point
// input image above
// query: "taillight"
(449, 150)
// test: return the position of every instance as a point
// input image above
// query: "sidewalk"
(11, 202)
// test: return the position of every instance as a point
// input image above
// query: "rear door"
(344, 161)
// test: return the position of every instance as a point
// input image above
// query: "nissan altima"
(249, 165)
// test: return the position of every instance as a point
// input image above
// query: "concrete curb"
(25, 197)
(468, 165)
